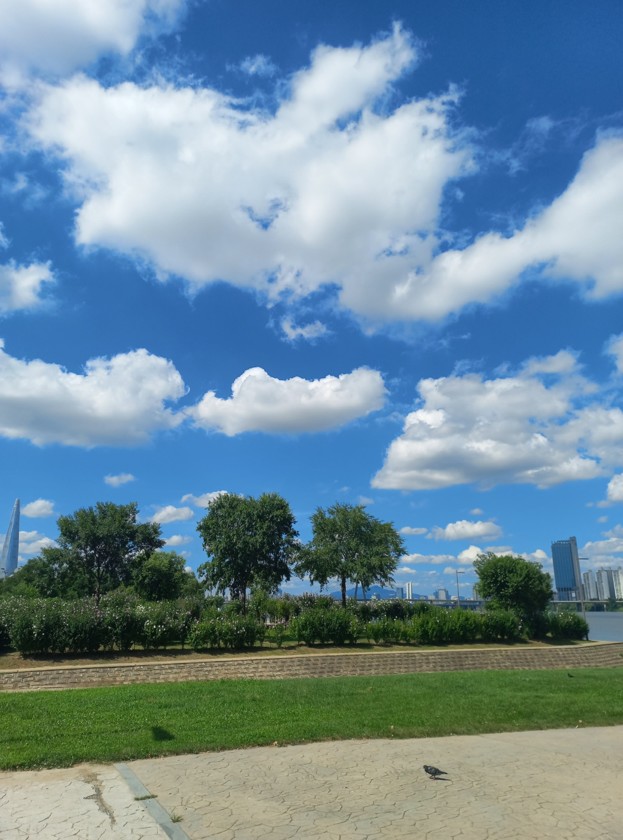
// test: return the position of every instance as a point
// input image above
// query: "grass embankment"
(56, 729)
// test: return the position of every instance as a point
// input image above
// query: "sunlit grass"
(60, 728)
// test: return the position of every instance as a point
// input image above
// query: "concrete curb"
(151, 804)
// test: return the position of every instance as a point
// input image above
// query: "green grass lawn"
(60, 728)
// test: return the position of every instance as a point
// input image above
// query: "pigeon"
(434, 772)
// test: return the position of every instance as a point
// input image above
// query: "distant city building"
(605, 584)
(410, 595)
(441, 595)
(400, 592)
(567, 577)
(590, 586)
(10, 549)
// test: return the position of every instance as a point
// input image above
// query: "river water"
(605, 626)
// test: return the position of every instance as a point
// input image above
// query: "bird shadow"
(160, 734)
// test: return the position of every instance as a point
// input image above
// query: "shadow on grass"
(161, 734)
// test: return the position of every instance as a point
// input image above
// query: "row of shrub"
(434, 626)
(50, 625)
(121, 621)
(288, 607)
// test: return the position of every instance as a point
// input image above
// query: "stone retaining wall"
(597, 655)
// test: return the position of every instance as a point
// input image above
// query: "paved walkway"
(563, 783)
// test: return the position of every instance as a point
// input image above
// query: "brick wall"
(597, 655)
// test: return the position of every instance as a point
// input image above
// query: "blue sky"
(353, 252)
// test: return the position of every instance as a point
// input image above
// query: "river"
(605, 626)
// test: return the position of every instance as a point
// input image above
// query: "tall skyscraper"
(10, 549)
(567, 577)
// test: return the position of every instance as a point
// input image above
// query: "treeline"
(121, 621)
(251, 544)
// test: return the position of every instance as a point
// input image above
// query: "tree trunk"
(343, 587)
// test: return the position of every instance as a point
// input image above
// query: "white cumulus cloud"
(119, 479)
(413, 532)
(175, 175)
(170, 513)
(38, 509)
(205, 499)
(177, 540)
(615, 489)
(307, 332)
(466, 530)
(32, 542)
(21, 286)
(614, 348)
(116, 401)
(261, 403)
(576, 238)
(544, 425)
(57, 36)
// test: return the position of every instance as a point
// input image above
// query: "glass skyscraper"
(10, 549)
(567, 577)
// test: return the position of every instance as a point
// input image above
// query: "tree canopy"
(163, 577)
(251, 543)
(104, 543)
(513, 583)
(352, 545)
(53, 574)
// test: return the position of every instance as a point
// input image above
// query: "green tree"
(53, 574)
(512, 583)
(251, 543)
(105, 543)
(352, 545)
(162, 577)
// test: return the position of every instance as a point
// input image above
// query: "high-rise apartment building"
(605, 584)
(567, 577)
(590, 586)
(10, 549)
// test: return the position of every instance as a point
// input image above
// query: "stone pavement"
(565, 783)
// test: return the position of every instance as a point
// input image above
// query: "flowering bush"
(566, 625)
(82, 629)
(36, 626)
(500, 626)
(325, 626)
(387, 631)
(123, 619)
(430, 628)
(160, 625)
(233, 632)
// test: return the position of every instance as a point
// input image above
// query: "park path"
(562, 784)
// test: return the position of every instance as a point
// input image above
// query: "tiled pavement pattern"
(86, 802)
(561, 784)
(597, 654)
